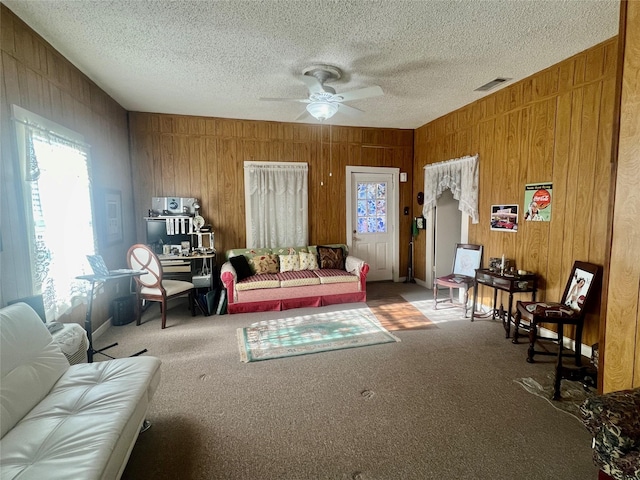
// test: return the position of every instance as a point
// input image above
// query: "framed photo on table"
(113, 217)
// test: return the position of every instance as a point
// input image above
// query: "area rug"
(395, 313)
(315, 333)
(572, 393)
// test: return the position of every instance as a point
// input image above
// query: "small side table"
(507, 283)
(93, 279)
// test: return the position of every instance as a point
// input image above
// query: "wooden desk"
(507, 283)
(179, 267)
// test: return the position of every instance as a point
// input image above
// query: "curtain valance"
(459, 175)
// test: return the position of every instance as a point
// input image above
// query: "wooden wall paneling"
(557, 267)
(211, 191)
(337, 189)
(602, 175)
(532, 236)
(196, 126)
(182, 164)
(594, 66)
(588, 168)
(568, 256)
(36, 77)
(579, 72)
(622, 336)
(583, 199)
(534, 132)
(198, 183)
(166, 186)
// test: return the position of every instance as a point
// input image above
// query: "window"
(58, 209)
(371, 207)
(276, 204)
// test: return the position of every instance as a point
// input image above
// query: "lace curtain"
(276, 199)
(59, 216)
(461, 177)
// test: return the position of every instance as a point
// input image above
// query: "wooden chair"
(466, 260)
(151, 286)
(570, 311)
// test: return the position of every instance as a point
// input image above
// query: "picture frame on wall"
(113, 217)
(504, 218)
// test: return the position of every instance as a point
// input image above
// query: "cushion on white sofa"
(79, 421)
(28, 369)
(87, 425)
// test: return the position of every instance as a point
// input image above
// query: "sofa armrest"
(229, 278)
(355, 265)
(614, 422)
(615, 410)
(359, 268)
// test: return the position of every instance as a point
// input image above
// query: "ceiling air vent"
(492, 84)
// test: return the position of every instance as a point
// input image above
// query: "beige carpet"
(441, 404)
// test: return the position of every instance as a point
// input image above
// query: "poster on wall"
(537, 202)
(504, 218)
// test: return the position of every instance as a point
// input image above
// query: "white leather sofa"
(61, 421)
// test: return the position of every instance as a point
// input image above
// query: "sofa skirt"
(274, 305)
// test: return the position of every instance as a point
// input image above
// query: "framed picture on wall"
(504, 218)
(113, 217)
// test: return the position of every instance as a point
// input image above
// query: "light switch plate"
(403, 176)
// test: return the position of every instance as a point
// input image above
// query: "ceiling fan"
(323, 101)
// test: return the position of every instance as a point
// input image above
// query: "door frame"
(430, 231)
(393, 214)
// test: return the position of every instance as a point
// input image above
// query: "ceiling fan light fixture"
(322, 110)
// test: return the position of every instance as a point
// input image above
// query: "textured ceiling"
(217, 58)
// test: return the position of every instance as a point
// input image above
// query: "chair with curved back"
(151, 286)
(467, 258)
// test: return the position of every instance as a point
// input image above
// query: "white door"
(372, 221)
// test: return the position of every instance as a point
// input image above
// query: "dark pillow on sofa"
(242, 267)
(330, 257)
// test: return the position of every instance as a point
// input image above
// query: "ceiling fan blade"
(313, 84)
(303, 116)
(361, 93)
(300, 100)
(349, 110)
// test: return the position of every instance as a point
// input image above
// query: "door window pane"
(371, 207)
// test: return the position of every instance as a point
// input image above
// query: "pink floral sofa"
(271, 279)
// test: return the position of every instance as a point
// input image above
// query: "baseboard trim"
(101, 329)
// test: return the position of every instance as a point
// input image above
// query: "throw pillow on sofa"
(329, 257)
(265, 264)
(308, 261)
(242, 267)
(289, 263)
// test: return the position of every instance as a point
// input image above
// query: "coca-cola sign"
(542, 197)
(537, 202)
